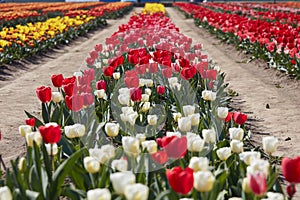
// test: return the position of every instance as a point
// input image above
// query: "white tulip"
(223, 153)
(246, 185)
(188, 110)
(203, 181)
(170, 134)
(22, 164)
(124, 91)
(152, 119)
(109, 149)
(236, 146)
(24, 129)
(149, 83)
(199, 164)
(274, 196)
(146, 106)
(209, 95)
(148, 91)
(131, 145)
(132, 118)
(150, 145)
(127, 110)
(112, 129)
(142, 82)
(99, 194)
(124, 99)
(249, 156)
(91, 165)
(101, 94)
(104, 154)
(76, 130)
(57, 97)
(121, 180)
(177, 116)
(120, 165)
(141, 137)
(177, 86)
(145, 98)
(33, 137)
(195, 119)
(222, 112)
(236, 133)
(54, 149)
(116, 75)
(270, 144)
(235, 198)
(195, 144)
(184, 124)
(136, 191)
(209, 135)
(258, 165)
(173, 81)
(5, 193)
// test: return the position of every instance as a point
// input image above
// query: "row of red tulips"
(277, 43)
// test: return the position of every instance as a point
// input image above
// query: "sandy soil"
(17, 92)
(256, 86)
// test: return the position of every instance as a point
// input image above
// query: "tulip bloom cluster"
(147, 120)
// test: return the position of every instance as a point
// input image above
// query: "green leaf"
(38, 122)
(45, 113)
(56, 115)
(164, 194)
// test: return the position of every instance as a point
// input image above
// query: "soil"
(270, 98)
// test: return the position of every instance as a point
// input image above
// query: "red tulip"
(153, 68)
(50, 133)
(160, 157)
(101, 85)
(94, 54)
(291, 190)
(108, 71)
(258, 183)
(68, 80)
(88, 99)
(160, 89)
(239, 118)
(98, 47)
(171, 144)
(90, 61)
(74, 102)
(133, 59)
(57, 80)
(229, 117)
(30, 122)
(188, 73)
(141, 69)
(181, 180)
(44, 94)
(136, 94)
(291, 169)
(69, 89)
(167, 72)
(132, 82)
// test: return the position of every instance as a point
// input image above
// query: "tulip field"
(149, 116)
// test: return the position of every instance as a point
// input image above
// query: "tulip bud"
(149, 83)
(146, 106)
(222, 112)
(223, 153)
(184, 124)
(236, 133)
(141, 137)
(120, 165)
(188, 110)
(101, 85)
(116, 75)
(57, 97)
(54, 149)
(24, 129)
(131, 146)
(208, 95)
(100, 93)
(195, 119)
(96, 194)
(120, 180)
(236, 146)
(209, 135)
(148, 91)
(160, 89)
(5, 193)
(152, 120)
(199, 164)
(22, 164)
(176, 116)
(76, 130)
(150, 145)
(91, 165)
(270, 144)
(145, 97)
(203, 181)
(112, 129)
(136, 191)
(291, 190)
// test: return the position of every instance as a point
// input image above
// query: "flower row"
(275, 42)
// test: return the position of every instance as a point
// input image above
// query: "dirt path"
(256, 86)
(18, 94)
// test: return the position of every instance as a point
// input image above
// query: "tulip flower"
(5, 193)
(53, 151)
(116, 75)
(291, 169)
(199, 164)
(74, 102)
(131, 145)
(236, 133)
(136, 191)
(152, 120)
(120, 165)
(101, 85)
(195, 143)
(181, 180)
(100, 93)
(229, 117)
(98, 193)
(208, 95)
(258, 183)
(249, 156)
(188, 110)
(22, 164)
(239, 118)
(222, 112)
(121, 180)
(30, 122)
(24, 129)
(33, 137)
(209, 135)
(171, 144)
(150, 145)
(57, 97)
(108, 71)
(270, 144)
(57, 80)
(291, 190)
(203, 181)
(184, 124)
(223, 153)
(160, 89)
(44, 94)
(91, 165)
(136, 94)
(236, 146)
(160, 157)
(50, 133)
(76, 130)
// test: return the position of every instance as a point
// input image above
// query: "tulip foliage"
(268, 35)
(147, 119)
